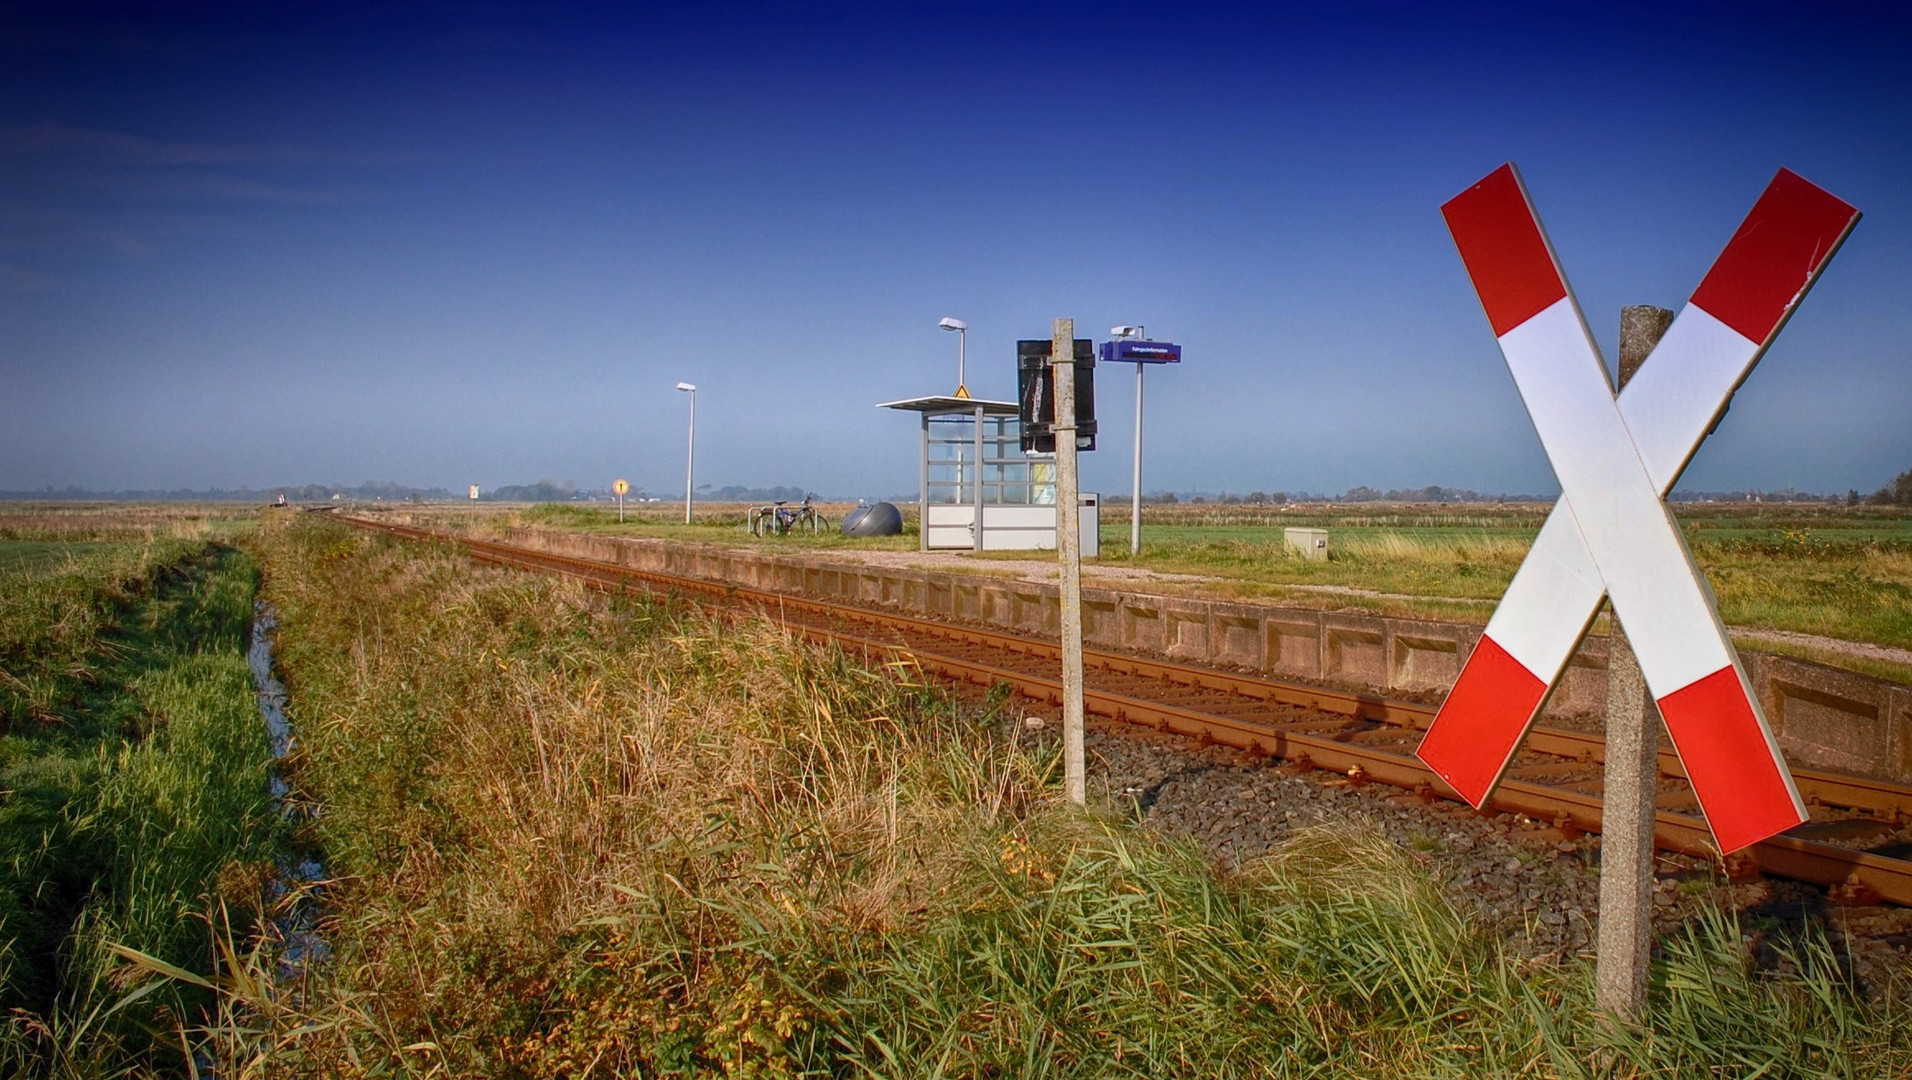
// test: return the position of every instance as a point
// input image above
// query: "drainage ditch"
(296, 893)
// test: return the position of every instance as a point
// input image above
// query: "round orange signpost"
(620, 486)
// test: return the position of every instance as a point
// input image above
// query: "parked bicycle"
(782, 518)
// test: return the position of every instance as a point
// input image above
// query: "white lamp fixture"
(962, 351)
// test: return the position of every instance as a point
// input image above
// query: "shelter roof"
(949, 403)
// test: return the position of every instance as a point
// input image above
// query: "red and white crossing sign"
(1610, 534)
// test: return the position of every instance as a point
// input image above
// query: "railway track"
(1859, 830)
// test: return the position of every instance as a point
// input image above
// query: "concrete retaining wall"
(1824, 716)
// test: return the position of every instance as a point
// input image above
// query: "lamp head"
(692, 387)
(953, 324)
(1125, 331)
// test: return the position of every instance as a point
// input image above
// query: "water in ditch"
(297, 890)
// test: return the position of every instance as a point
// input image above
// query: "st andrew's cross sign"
(1611, 534)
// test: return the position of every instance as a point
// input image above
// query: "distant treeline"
(1897, 493)
(1438, 494)
(540, 491)
(1363, 494)
(367, 491)
(739, 493)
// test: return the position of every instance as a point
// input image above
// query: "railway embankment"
(1825, 717)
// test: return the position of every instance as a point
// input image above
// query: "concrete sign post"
(1632, 775)
(1069, 551)
(1611, 534)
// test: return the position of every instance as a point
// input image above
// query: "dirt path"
(1839, 646)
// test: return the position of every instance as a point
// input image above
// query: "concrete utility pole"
(1632, 775)
(1069, 550)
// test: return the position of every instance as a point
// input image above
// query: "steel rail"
(1855, 875)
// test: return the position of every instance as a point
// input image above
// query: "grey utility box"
(1311, 543)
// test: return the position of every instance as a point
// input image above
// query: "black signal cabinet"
(1036, 395)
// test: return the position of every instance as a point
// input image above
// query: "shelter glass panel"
(1008, 476)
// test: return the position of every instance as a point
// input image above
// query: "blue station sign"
(1141, 352)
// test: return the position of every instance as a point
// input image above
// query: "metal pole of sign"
(1625, 943)
(1069, 550)
(961, 330)
(922, 494)
(620, 508)
(690, 452)
(1135, 499)
(962, 361)
(977, 542)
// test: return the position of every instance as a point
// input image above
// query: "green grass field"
(133, 782)
(31, 556)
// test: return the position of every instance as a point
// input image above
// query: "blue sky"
(481, 243)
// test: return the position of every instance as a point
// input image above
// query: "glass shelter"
(977, 489)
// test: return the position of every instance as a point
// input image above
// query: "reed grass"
(586, 836)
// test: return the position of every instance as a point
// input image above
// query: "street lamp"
(962, 352)
(1131, 333)
(690, 452)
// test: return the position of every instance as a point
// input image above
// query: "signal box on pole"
(1036, 395)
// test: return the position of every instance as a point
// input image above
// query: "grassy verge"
(1843, 573)
(580, 836)
(132, 783)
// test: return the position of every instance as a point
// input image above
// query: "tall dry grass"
(506, 762)
(578, 836)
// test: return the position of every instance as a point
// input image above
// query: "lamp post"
(690, 451)
(1135, 485)
(962, 352)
